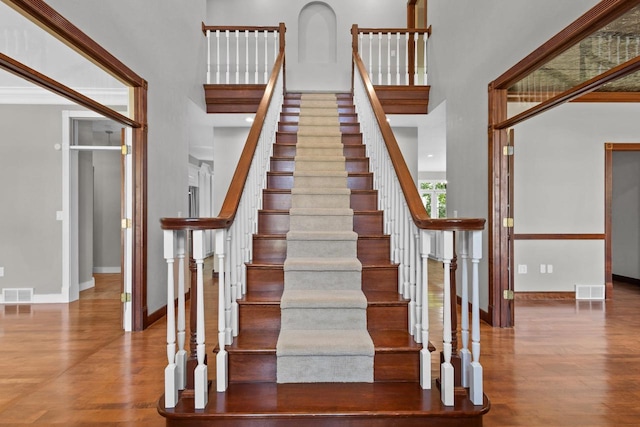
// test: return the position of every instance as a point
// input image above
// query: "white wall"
(31, 194)
(227, 144)
(407, 138)
(301, 76)
(163, 43)
(559, 188)
(472, 44)
(625, 251)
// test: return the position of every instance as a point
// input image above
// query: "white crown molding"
(39, 96)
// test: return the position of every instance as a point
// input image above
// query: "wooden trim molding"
(541, 296)
(625, 279)
(58, 88)
(609, 97)
(559, 236)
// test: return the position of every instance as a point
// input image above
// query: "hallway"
(565, 364)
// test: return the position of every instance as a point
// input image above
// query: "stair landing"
(378, 404)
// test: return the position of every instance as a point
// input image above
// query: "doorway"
(97, 194)
(622, 206)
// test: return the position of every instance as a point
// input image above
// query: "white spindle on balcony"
(446, 368)
(246, 56)
(226, 80)
(237, 43)
(217, 56)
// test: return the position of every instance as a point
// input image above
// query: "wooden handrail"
(409, 189)
(236, 27)
(234, 193)
(395, 30)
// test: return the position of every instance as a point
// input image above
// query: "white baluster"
(398, 59)
(425, 38)
(406, 251)
(208, 57)
(446, 368)
(412, 278)
(371, 56)
(246, 56)
(228, 60)
(266, 57)
(360, 47)
(419, 286)
(255, 33)
(217, 56)
(227, 287)
(406, 60)
(415, 57)
(423, 328)
(379, 58)
(232, 320)
(465, 354)
(181, 355)
(276, 45)
(201, 376)
(388, 58)
(170, 372)
(237, 33)
(475, 383)
(222, 380)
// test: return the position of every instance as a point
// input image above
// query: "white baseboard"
(107, 270)
(88, 284)
(49, 299)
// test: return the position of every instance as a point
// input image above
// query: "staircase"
(319, 252)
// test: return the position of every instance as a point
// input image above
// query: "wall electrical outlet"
(522, 268)
(543, 268)
(549, 268)
(1, 271)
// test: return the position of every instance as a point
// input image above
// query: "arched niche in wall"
(317, 34)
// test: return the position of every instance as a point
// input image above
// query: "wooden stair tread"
(264, 341)
(380, 298)
(322, 404)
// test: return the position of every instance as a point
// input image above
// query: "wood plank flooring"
(566, 363)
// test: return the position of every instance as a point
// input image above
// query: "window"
(434, 197)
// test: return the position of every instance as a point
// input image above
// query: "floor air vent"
(17, 295)
(590, 292)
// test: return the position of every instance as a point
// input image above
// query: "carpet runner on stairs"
(323, 336)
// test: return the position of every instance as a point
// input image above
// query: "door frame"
(50, 20)
(609, 148)
(70, 283)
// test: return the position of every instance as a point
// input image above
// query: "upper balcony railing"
(242, 54)
(393, 56)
